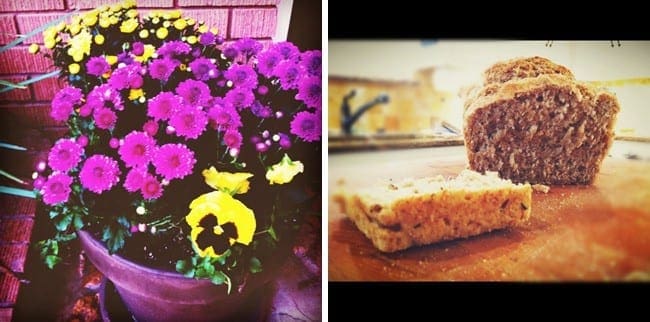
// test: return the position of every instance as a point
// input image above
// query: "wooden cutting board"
(593, 233)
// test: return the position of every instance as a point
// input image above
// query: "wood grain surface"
(584, 233)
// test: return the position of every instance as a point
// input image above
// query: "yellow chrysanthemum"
(191, 22)
(74, 29)
(155, 20)
(284, 171)
(34, 48)
(128, 4)
(90, 18)
(144, 33)
(50, 32)
(162, 33)
(134, 94)
(132, 13)
(116, 7)
(149, 50)
(180, 24)
(214, 30)
(232, 183)
(111, 60)
(128, 26)
(218, 221)
(167, 24)
(114, 20)
(74, 68)
(49, 43)
(192, 40)
(175, 14)
(203, 29)
(99, 39)
(104, 22)
(80, 45)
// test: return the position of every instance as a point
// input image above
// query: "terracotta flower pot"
(155, 295)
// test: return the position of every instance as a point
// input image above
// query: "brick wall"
(24, 113)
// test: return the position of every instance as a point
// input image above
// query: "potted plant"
(189, 161)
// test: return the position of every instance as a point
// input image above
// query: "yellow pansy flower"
(218, 221)
(134, 94)
(180, 24)
(99, 39)
(128, 26)
(284, 171)
(34, 48)
(232, 183)
(162, 33)
(74, 68)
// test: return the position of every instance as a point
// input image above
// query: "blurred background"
(410, 89)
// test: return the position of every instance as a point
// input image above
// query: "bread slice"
(396, 216)
(543, 127)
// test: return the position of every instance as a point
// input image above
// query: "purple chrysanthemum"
(195, 93)
(207, 38)
(97, 66)
(163, 105)
(232, 139)
(173, 48)
(267, 61)
(240, 97)
(99, 173)
(173, 161)
(104, 118)
(57, 188)
(310, 91)
(104, 96)
(124, 58)
(261, 111)
(137, 48)
(287, 49)
(126, 77)
(230, 52)
(150, 127)
(162, 68)
(203, 69)
(312, 61)
(189, 122)
(64, 101)
(285, 141)
(151, 187)
(135, 179)
(307, 126)
(64, 155)
(289, 73)
(223, 117)
(242, 76)
(137, 149)
(248, 46)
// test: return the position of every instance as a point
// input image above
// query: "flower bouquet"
(184, 153)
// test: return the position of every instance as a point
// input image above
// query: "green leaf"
(65, 237)
(64, 222)
(190, 273)
(77, 222)
(256, 265)
(53, 214)
(11, 85)
(52, 260)
(181, 266)
(17, 192)
(12, 146)
(218, 278)
(272, 233)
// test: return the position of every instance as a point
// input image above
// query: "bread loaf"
(531, 121)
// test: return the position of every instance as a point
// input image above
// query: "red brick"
(86, 4)
(19, 60)
(15, 94)
(16, 229)
(14, 205)
(255, 23)
(5, 312)
(9, 286)
(24, 5)
(228, 3)
(13, 256)
(44, 90)
(36, 115)
(212, 17)
(8, 29)
(28, 22)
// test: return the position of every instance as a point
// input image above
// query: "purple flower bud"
(40, 167)
(261, 147)
(82, 140)
(285, 141)
(39, 182)
(138, 48)
(114, 143)
(262, 90)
